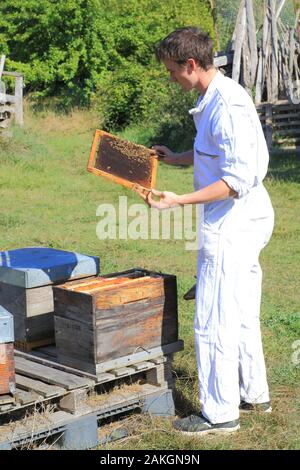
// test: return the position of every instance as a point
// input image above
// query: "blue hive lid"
(39, 266)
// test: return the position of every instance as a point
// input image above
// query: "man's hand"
(167, 199)
(165, 155)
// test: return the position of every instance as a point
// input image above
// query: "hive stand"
(74, 422)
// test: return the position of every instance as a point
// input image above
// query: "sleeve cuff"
(237, 186)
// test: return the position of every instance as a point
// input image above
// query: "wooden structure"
(268, 68)
(281, 125)
(120, 316)
(78, 400)
(11, 106)
(7, 367)
(27, 276)
(131, 165)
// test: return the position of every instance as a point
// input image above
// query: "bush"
(97, 51)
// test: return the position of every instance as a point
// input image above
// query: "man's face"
(181, 74)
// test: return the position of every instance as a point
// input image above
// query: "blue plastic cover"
(40, 266)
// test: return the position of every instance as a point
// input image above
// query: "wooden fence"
(281, 125)
(10, 105)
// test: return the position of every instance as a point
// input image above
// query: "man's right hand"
(165, 155)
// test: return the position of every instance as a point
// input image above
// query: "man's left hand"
(167, 199)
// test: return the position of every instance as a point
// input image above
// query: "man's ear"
(192, 65)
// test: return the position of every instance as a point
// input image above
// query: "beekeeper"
(230, 160)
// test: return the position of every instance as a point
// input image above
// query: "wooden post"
(19, 100)
(269, 126)
(279, 9)
(259, 83)
(292, 51)
(240, 33)
(274, 60)
(2, 60)
(251, 41)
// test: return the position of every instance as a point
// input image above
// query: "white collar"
(204, 99)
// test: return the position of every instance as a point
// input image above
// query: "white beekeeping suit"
(230, 145)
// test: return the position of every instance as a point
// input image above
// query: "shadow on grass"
(183, 406)
(285, 167)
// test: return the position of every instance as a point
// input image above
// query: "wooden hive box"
(26, 279)
(131, 165)
(7, 364)
(114, 316)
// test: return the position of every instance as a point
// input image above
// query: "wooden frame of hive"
(149, 166)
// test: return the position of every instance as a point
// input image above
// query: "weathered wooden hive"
(26, 279)
(7, 365)
(114, 316)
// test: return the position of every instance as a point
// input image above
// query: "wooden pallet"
(73, 395)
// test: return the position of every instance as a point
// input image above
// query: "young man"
(230, 159)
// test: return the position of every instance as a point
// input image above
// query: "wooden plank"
(286, 150)
(34, 331)
(123, 371)
(223, 60)
(26, 398)
(240, 33)
(49, 363)
(13, 298)
(269, 126)
(38, 386)
(39, 300)
(9, 98)
(282, 2)
(73, 305)
(143, 366)
(288, 133)
(140, 357)
(148, 328)
(274, 58)
(287, 123)
(68, 335)
(105, 377)
(252, 42)
(285, 116)
(48, 375)
(130, 293)
(19, 101)
(12, 74)
(6, 399)
(2, 61)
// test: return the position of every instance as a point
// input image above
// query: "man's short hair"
(187, 43)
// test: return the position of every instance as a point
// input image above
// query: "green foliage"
(138, 89)
(98, 51)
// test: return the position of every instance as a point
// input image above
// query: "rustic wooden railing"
(11, 105)
(281, 125)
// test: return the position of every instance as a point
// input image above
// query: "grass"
(48, 198)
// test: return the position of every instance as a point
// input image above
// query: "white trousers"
(228, 343)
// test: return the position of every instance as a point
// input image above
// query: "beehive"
(7, 365)
(114, 316)
(26, 279)
(131, 165)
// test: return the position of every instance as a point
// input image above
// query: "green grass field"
(48, 198)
